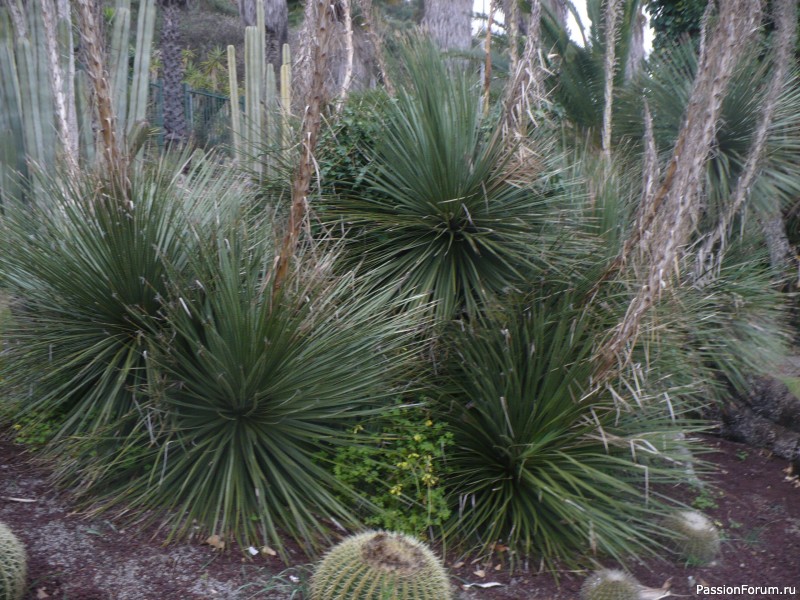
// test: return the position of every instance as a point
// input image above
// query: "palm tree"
(174, 122)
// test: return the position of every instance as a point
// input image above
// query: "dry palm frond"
(525, 90)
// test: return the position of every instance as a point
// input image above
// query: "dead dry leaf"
(479, 573)
(488, 584)
(41, 593)
(216, 541)
(267, 551)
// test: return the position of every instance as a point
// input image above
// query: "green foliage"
(380, 566)
(13, 565)
(705, 500)
(673, 21)
(537, 446)
(610, 584)
(34, 430)
(346, 145)
(400, 469)
(693, 536)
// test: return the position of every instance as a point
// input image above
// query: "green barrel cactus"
(13, 565)
(694, 537)
(610, 584)
(380, 565)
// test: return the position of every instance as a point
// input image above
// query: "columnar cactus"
(13, 565)
(379, 565)
(694, 536)
(610, 584)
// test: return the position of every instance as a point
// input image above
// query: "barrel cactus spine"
(13, 565)
(380, 565)
(693, 536)
(610, 584)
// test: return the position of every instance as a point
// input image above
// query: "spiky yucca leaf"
(86, 266)
(542, 461)
(440, 217)
(257, 385)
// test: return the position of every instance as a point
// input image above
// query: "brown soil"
(71, 558)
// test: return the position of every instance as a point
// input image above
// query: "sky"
(482, 6)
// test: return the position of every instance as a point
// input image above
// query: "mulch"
(752, 497)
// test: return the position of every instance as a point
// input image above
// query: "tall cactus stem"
(84, 112)
(145, 26)
(236, 119)
(66, 59)
(253, 85)
(43, 83)
(272, 116)
(118, 59)
(286, 95)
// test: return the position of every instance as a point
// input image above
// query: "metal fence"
(207, 115)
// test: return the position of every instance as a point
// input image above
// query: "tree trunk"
(767, 417)
(449, 23)
(635, 59)
(174, 122)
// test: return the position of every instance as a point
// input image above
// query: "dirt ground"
(756, 504)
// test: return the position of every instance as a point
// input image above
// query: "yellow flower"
(428, 423)
(396, 490)
(418, 437)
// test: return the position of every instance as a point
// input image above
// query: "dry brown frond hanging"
(95, 67)
(525, 90)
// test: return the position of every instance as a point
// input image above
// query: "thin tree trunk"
(772, 224)
(349, 51)
(611, 19)
(635, 60)
(377, 44)
(671, 225)
(449, 23)
(320, 13)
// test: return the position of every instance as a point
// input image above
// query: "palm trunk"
(174, 122)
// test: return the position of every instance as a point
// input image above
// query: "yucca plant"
(440, 216)
(86, 265)
(256, 386)
(542, 460)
